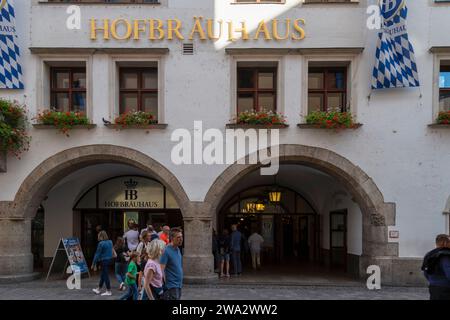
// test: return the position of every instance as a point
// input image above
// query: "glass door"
(338, 239)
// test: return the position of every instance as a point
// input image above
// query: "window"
(327, 89)
(68, 89)
(256, 88)
(444, 86)
(138, 90)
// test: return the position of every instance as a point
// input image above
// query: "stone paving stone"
(57, 290)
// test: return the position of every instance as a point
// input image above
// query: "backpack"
(431, 261)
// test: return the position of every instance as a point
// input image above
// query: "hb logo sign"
(131, 193)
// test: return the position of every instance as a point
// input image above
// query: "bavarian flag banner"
(395, 65)
(10, 69)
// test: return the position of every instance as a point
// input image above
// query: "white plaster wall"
(405, 158)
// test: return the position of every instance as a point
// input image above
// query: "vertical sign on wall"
(395, 65)
(10, 69)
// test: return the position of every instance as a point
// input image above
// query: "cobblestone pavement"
(57, 290)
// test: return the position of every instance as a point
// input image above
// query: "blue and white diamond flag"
(10, 69)
(395, 65)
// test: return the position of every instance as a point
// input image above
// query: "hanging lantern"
(260, 207)
(275, 196)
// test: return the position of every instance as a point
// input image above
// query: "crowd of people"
(147, 265)
(229, 248)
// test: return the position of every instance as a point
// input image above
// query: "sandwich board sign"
(69, 252)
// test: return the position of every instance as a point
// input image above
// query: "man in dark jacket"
(436, 268)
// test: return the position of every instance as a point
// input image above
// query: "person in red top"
(164, 236)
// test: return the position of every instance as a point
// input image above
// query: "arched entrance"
(376, 215)
(283, 217)
(16, 259)
(112, 203)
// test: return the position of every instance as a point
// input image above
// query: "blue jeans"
(120, 271)
(104, 276)
(132, 291)
(172, 294)
(156, 292)
(237, 265)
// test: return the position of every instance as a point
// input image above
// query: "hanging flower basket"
(14, 138)
(331, 120)
(64, 121)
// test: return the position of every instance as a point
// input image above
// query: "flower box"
(63, 121)
(256, 126)
(443, 118)
(53, 127)
(135, 120)
(334, 120)
(155, 126)
(439, 126)
(315, 126)
(259, 119)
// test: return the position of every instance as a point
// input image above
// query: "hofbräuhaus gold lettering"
(203, 29)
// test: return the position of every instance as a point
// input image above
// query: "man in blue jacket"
(436, 268)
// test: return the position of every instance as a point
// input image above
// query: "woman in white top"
(132, 236)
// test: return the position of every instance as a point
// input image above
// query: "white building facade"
(376, 194)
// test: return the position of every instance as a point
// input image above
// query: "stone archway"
(377, 214)
(16, 260)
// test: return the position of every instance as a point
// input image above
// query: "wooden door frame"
(343, 212)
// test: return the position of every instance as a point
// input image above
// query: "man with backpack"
(436, 268)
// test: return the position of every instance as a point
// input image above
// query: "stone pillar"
(16, 260)
(198, 260)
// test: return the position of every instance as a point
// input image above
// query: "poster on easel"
(69, 253)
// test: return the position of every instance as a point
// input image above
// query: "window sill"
(50, 127)
(256, 126)
(314, 126)
(439, 126)
(138, 127)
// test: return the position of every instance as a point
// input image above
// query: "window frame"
(42, 76)
(54, 90)
(135, 60)
(442, 90)
(326, 71)
(438, 59)
(256, 90)
(140, 90)
(351, 60)
(262, 58)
